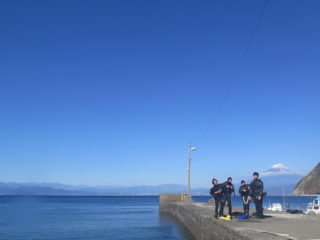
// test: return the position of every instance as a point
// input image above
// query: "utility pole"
(189, 168)
(189, 160)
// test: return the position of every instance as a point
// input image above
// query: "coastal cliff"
(310, 184)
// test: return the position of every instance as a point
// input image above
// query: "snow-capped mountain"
(277, 169)
(279, 176)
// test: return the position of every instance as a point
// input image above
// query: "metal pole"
(283, 195)
(189, 168)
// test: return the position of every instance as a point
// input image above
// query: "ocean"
(292, 202)
(97, 217)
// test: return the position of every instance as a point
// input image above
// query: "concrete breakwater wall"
(198, 219)
(200, 224)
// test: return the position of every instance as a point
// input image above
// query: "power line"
(236, 73)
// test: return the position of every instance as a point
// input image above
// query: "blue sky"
(110, 92)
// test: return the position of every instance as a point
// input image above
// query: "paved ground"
(279, 225)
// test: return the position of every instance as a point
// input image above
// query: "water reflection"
(165, 219)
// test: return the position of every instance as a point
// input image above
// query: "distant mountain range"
(275, 178)
(61, 189)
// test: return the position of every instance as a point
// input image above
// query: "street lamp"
(189, 159)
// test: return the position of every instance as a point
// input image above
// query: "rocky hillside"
(310, 184)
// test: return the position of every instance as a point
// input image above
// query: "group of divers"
(249, 192)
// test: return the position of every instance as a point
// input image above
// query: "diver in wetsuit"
(216, 192)
(256, 193)
(228, 189)
(244, 191)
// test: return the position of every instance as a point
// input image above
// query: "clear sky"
(110, 92)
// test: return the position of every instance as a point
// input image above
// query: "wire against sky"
(236, 73)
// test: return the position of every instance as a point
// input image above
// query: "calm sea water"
(65, 217)
(293, 202)
(57, 218)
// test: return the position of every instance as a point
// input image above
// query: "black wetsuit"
(256, 190)
(216, 192)
(244, 192)
(228, 192)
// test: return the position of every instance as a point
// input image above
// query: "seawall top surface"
(273, 226)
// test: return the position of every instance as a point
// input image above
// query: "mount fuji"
(277, 169)
(278, 177)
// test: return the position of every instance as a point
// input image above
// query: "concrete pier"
(198, 219)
